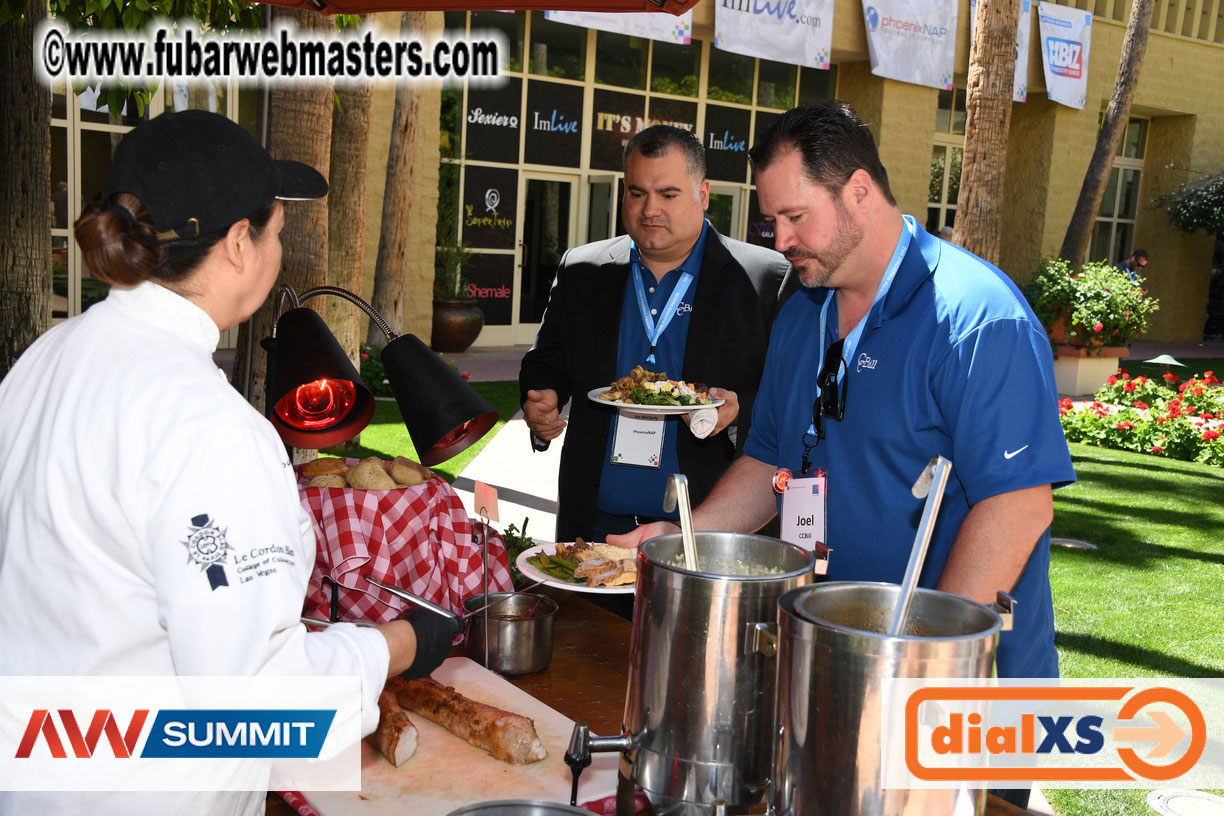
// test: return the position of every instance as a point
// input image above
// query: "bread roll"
(321, 467)
(328, 480)
(370, 475)
(407, 472)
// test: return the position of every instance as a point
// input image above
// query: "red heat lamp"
(318, 398)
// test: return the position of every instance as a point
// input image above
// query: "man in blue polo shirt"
(673, 296)
(901, 346)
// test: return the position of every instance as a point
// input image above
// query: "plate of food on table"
(653, 393)
(581, 566)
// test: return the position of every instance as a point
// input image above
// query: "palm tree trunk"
(397, 203)
(346, 210)
(299, 129)
(1134, 46)
(988, 105)
(25, 191)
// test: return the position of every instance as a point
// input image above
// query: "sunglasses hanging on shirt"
(830, 401)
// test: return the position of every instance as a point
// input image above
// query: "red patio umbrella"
(369, 6)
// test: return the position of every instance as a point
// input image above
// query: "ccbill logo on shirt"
(684, 307)
(865, 362)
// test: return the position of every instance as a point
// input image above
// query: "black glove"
(434, 635)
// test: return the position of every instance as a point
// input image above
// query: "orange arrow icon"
(1166, 734)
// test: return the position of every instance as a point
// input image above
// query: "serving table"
(588, 676)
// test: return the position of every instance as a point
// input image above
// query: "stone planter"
(456, 324)
(1079, 370)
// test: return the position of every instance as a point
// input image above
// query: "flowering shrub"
(1099, 305)
(1166, 417)
(376, 378)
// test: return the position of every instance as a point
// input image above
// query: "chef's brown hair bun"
(119, 243)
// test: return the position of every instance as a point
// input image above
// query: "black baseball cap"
(197, 172)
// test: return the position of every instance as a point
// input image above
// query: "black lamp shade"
(443, 414)
(316, 398)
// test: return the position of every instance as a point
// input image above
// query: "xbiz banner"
(1066, 34)
(796, 31)
(912, 40)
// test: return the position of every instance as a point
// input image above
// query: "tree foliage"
(1198, 205)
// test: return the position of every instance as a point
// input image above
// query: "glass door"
(724, 209)
(548, 219)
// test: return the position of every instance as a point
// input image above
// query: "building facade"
(522, 172)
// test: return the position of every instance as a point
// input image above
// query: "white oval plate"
(536, 575)
(595, 396)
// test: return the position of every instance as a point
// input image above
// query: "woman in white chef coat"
(137, 487)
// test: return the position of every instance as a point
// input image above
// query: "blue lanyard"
(655, 330)
(852, 339)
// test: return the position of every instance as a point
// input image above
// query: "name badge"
(638, 440)
(803, 512)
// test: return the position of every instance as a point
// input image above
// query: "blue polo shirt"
(950, 361)
(629, 489)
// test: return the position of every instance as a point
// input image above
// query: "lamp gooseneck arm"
(351, 298)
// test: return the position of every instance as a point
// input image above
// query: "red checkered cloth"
(415, 538)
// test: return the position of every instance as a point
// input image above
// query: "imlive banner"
(912, 40)
(1023, 26)
(796, 31)
(1066, 34)
(651, 25)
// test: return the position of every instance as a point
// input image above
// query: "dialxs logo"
(1102, 734)
(217, 733)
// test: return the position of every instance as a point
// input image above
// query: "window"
(1113, 235)
(557, 50)
(511, 26)
(674, 68)
(620, 60)
(776, 85)
(946, 157)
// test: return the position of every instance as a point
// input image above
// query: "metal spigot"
(582, 744)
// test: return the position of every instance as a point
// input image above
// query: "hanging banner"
(651, 25)
(1020, 81)
(1066, 34)
(912, 40)
(797, 31)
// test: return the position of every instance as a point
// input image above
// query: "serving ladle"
(678, 494)
(929, 485)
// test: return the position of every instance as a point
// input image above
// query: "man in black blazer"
(704, 299)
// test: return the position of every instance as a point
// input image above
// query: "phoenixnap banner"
(1066, 34)
(796, 31)
(912, 40)
(652, 26)
(180, 733)
(1069, 733)
(1023, 27)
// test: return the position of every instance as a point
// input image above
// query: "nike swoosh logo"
(1009, 454)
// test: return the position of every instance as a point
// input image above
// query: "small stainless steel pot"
(519, 807)
(518, 644)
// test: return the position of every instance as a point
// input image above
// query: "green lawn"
(1147, 602)
(386, 437)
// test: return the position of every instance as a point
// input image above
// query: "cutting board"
(447, 773)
